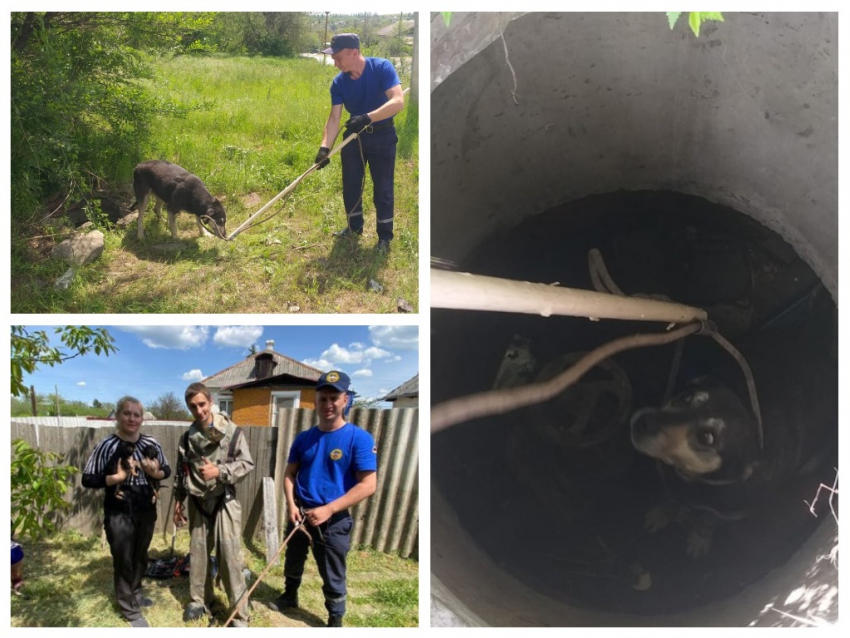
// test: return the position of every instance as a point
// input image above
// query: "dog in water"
(713, 467)
(123, 456)
(179, 190)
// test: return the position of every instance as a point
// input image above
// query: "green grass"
(68, 583)
(248, 128)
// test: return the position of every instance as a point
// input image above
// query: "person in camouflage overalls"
(208, 467)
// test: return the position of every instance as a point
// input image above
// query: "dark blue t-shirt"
(329, 462)
(368, 92)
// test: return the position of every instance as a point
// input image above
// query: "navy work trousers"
(331, 542)
(129, 536)
(379, 150)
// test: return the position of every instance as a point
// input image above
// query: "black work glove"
(322, 158)
(358, 123)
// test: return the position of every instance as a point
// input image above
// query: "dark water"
(568, 520)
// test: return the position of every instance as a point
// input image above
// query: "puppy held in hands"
(123, 456)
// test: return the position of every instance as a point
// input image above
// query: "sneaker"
(144, 601)
(285, 601)
(194, 611)
(347, 232)
(334, 621)
(139, 622)
(382, 247)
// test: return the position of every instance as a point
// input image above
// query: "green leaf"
(447, 17)
(694, 21)
(708, 15)
(673, 17)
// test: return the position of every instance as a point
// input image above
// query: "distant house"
(390, 31)
(253, 390)
(406, 395)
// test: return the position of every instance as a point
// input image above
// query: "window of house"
(283, 399)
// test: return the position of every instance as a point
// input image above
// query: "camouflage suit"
(221, 527)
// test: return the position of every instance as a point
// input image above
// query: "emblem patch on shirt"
(336, 454)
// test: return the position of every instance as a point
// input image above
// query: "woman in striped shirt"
(129, 513)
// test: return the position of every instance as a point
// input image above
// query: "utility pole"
(58, 409)
(325, 41)
(32, 401)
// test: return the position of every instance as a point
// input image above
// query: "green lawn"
(68, 583)
(247, 127)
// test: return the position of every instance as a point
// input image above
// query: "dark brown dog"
(123, 455)
(179, 190)
(151, 453)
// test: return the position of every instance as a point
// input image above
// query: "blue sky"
(153, 360)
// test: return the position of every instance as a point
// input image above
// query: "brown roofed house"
(253, 391)
(406, 395)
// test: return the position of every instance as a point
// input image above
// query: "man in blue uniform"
(331, 467)
(370, 90)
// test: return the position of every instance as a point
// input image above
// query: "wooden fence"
(387, 522)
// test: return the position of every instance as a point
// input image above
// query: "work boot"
(334, 621)
(382, 247)
(348, 233)
(287, 600)
(139, 622)
(193, 611)
(144, 601)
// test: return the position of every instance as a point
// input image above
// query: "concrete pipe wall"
(744, 116)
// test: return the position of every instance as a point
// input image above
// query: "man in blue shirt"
(370, 90)
(331, 467)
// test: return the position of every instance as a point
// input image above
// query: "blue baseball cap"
(334, 379)
(343, 41)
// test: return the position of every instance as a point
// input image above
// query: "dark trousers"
(379, 155)
(331, 542)
(129, 536)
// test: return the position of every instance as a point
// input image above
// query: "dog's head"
(125, 449)
(150, 452)
(215, 212)
(705, 433)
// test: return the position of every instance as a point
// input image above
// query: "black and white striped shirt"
(137, 490)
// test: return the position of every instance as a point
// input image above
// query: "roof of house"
(392, 29)
(245, 371)
(409, 388)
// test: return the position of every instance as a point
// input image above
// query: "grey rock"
(127, 220)
(65, 280)
(79, 249)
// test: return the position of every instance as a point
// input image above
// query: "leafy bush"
(39, 482)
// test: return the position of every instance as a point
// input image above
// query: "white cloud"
(192, 375)
(237, 336)
(336, 355)
(396, 337)
(394, 359)
(321, 364)
(376, 353)
(362, 373)
(170, 337)
(81, 383)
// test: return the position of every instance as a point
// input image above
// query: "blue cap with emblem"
(343, 41)
(334, 379)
